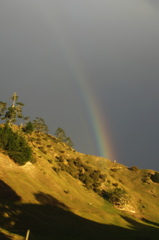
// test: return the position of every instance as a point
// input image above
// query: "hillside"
(64, 194)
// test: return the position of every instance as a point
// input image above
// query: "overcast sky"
(55, 52)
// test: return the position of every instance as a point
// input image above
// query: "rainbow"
(98, 124)
(96, 120)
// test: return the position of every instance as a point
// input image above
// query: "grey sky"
(116, 45)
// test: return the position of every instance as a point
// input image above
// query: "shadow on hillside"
(150, 222)
(51, 219)
(8, 199)
(4, 237)
(141, 228)
(7, 193)
(47, 199)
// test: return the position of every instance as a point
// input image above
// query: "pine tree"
(29, 127)
(15, 145)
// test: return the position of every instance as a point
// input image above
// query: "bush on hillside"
(146, 178)
(92, 179)
(134, 169)
(29, 128)
(114, 169)
(155, 177)
(116, 196)
(50, 161)
(97, 190)
(42, 149)
(102, 177)
(15, 145)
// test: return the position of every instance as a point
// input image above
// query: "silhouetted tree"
(60, 134)
(69, 142)
(40, 125)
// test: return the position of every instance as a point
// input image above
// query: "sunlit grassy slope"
(54, 205)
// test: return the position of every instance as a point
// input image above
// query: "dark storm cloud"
(116, 43)
(153, 3)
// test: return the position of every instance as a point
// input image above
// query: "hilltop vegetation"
(58, 193)
(13, 140)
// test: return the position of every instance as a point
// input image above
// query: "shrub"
(15, 145)
(88, 185)
(56, 169)
(82, 177)
(95, 175)
(31, 139)
(29, 128)
(114, 169)
(116, 196)
(115, 184)
(105, 194)
(71, 169)
(38, 141)
(74, 174)
(61, 159)
(134, 169)
(96, 184)
(146, 178)
(45, 138)
(63, 167)
(155, 177)
(50, 161)
(97, 190)
(77, 162)
(62, 151)
(70, 160)
(102, 177)
(42, 149)
(66, 191)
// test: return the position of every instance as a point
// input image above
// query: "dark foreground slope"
(59, 196)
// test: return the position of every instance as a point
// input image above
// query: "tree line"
(10, 114)
(14, 142)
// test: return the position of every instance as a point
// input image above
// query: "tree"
(39, 125)
(69, 142)
(155, 177)
(60, 134)
(26, 119)
(2, 108)
(29, 127)
(13, 112)
(14, 98)
(15, 145)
